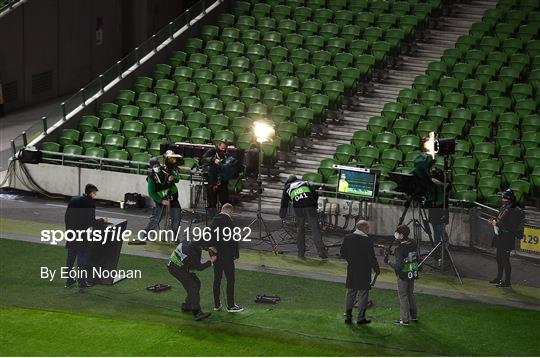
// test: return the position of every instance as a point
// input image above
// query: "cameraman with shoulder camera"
(406, 269)
(162, 189)
(218, 186)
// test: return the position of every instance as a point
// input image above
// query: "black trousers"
(227, 267)
(503, 264)
(79, 253)
(191, 284)
(215, 192)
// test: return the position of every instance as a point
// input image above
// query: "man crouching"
(184, 259)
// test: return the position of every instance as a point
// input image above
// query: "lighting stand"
(259, 219)
(442, 245)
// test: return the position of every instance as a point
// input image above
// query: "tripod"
(442, 245)
(259, 219)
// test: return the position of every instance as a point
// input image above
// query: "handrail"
(113, 75)
(8, 5)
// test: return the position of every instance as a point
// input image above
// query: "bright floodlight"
(263, 131)
(430, 144)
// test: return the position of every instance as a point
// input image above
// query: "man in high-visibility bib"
(304, 201)
(162, 189)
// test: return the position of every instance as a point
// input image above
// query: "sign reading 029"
(531, 239)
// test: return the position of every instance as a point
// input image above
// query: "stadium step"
(385, 86)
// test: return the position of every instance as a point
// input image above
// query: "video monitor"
(357, 181)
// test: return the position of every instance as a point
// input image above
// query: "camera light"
(430, 144)
(263, 131)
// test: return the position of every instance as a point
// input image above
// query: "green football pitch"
(38, 317)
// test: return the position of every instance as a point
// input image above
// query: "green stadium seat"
(488, 185)
(218, 122)
(202, 75)
(150, 115)
(483, 150)
(430, 98)
(407, 96)
(162, 87)
(124, 97)
(506, 137)
(390, 158)
(403, 126)
(509, 153)
(182, 74)
(385, 140)
(479, 134)
(415, 112)
(190, 104)
(512, 171)
(161, 71)
(155, 146)
(113, 142)
(185, 89)
(377, 124)
(250, 96)
(178, 133)
(143, 84)
(408, 143)
(108, 110)
(88, 123)
(72, 149)
(368, 156)
(69, 136)
(95, 152)
(168, 101)
(196, 120)
(532, 158)
(345, 153)
(234, 109)
(521, 189)
(201, 136)
(463, 165)
(392, 110)
(462, 182)
(212, 106)
(177, 58)
(50, 147)
(91, 139)
(245, 80)
(525, 107)
(131, 129)
(283, 69)
(361, 138)
(155, 131)
(146, 100)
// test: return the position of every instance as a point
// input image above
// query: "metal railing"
(7, 5)
(115, 73)
(84, 161)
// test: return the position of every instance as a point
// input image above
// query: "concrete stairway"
(427, 47)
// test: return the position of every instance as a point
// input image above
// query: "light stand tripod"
(259, 219)
(442, 245)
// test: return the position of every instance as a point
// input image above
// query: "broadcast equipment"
(359, 182)
(159, 287)
(173, 160)
(433, 145)
(186, 150)
(267, 299)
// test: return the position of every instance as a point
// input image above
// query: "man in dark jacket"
(304, 201)
(357, 249)
(81, 215)
(507, 226)
(218, 186)
(406, 269)
(227, 252)
(161, 183)
(183, 261)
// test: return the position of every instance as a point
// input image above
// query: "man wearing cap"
(304, 201)
(162, 189)
(218, 186)
(507, 227)
(81, 215)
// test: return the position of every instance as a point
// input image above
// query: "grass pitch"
(39, 317)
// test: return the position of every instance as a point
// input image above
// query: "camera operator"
(218, 186)
(357, 250)
(507, 227)
(227, 253)
(184, 259)
(406, 269)
(304, 201)
(437, 214)
(162, 189)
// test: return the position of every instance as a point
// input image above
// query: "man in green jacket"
(162, 189)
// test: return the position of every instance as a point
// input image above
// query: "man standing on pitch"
(81, 215)
(222, 227)
(304, 201)
(357, 250)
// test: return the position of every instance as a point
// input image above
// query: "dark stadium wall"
(55, 47)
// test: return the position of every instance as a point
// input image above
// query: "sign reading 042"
(531, 239)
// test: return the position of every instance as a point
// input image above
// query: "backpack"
(133, 200)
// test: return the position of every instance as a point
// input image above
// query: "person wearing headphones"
(406, 269)
(507, 227)
(162, 189)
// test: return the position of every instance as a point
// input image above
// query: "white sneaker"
(217, 308)
(235, 309)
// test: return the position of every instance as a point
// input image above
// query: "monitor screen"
(357, 182)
